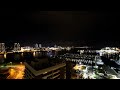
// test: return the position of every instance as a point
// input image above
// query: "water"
(11, 65)
(37, 60)
(21, 57)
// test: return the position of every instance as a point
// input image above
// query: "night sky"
(29, 26)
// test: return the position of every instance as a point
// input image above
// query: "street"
(16, 72)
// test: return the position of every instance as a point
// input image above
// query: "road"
(16, 72)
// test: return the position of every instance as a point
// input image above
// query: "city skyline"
(37, 44)
(76, 27)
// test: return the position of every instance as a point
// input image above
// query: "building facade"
(2, 47)
(54, 72)
(17, 47)
(38, 46)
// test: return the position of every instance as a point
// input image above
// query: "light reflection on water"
(16, 71)
(19, 56)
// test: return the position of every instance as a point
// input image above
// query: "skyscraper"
(36, 46)
(40, 45)
(16, 47)
(2, 47)
(55, 46)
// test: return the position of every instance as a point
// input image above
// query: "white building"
(27, 48)
(40, 45)
(108, 50)
(2, 47)
(55, 46)
(37, 46)
(17, 47)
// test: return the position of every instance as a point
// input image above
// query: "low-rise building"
(54, 72)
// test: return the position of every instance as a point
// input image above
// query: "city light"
(36, 44)
(5, 55)
(86, 62)
(109, 50)
(16, 72)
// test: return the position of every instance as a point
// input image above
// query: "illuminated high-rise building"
(16, 47)
(40, 45)
(2, 47)
(55, 46)
(36, 46)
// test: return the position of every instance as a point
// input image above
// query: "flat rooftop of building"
(39, 72)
